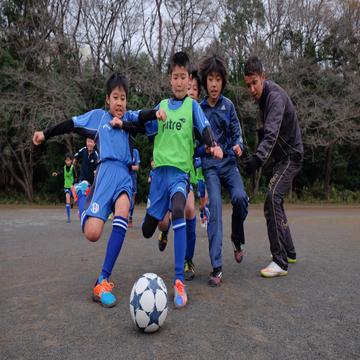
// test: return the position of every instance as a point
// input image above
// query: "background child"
(220, 112)
(88, 157)
(173, 159)
(69, 180)
(113, 186)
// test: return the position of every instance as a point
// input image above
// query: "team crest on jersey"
(95, 208)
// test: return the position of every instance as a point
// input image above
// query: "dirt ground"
(48, 269)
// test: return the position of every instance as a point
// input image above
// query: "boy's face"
(90, 144)
(68, 162)
(117, 102)
(214, 86)
(255, 85)
(193, 90)
(179, 80)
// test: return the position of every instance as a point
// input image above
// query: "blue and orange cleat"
(102, 292)
(180, 296)
(82, 186)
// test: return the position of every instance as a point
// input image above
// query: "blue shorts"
(112, 179)
(201, 188)
(166, 181)
(68, 191)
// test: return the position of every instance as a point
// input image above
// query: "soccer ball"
(149, 303)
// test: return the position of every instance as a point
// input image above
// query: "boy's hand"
(237, 150)
(216, 152)
(161, 115)
(38, 137)
(54, 174)
(116, 122)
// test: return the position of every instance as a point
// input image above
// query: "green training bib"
(174, 144)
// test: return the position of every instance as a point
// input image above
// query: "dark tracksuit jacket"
(88, 163)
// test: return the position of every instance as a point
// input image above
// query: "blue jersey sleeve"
(90, 120)
(199, 119)
(88, 124)
(132, 116)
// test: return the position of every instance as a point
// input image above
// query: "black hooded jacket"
(282, 134)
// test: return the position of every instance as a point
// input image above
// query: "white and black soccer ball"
(149, 302)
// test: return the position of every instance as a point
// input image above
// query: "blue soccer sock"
(169, 225)
(81, 202)
(132, 206)
(68, 212)
(114, 245)
(179, 226)
(190, 238)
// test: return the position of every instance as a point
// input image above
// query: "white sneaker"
(273, 270)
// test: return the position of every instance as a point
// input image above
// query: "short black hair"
(68, 156)
(180, 58)
(253, 66)
(195, 76)
(116, 80)
(213, 64)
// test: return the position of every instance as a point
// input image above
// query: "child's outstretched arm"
(59, 129)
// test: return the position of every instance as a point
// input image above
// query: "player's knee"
(190, 210)
(241, 202)
(92, 234)
(149, 226)
(178, 206)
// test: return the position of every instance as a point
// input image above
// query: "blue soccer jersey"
(113, 143)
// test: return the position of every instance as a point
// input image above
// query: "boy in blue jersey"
(173, 157)
(220, 112)
(133, 173)
(113, 185)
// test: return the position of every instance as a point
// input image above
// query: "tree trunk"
(256, 182)
(328, 169)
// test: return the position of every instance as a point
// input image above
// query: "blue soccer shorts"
(165, 183)
(112, 180)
